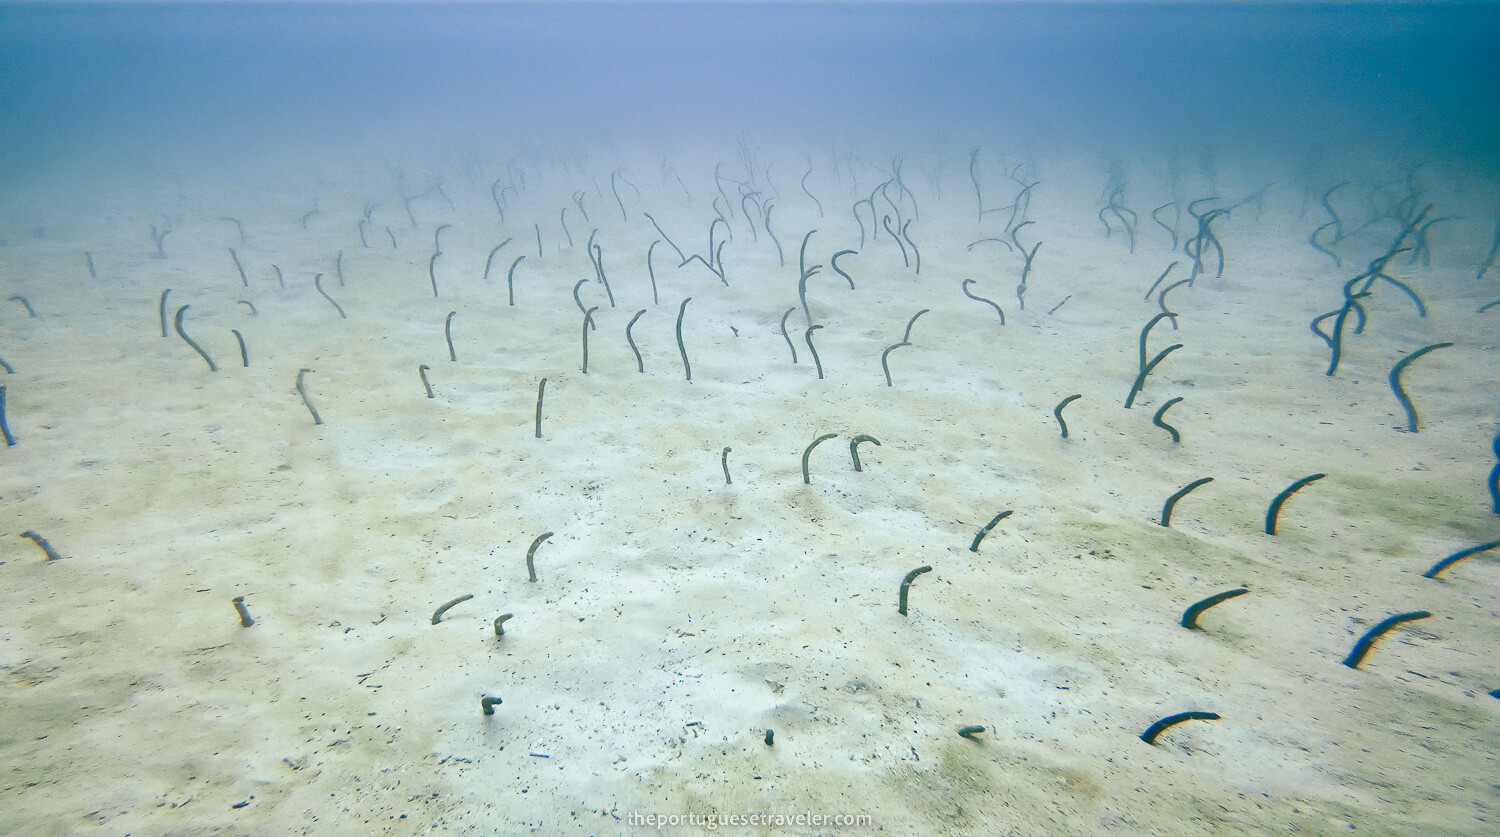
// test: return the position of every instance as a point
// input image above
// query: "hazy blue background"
(124, 84)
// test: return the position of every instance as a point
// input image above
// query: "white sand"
(675, 618)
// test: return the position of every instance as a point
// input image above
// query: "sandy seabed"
(676, 617)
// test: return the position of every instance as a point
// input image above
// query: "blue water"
(124, 84)
(384, 231)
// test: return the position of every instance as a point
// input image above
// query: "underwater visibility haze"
(806, 418)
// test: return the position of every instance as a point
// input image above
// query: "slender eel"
(437, 615)
(237, 266)
(640, 364)
(834, 262)
(1410, 294)
(162, 309)
(1166, 510)
(422, 372)
(510, 279)
(1317, 321)
(906, 586)
(1367, 642)
(244, 353)
(802, 290)
(302, 391)
(1163, 224)
(1489, 261)
(616, 190)
(655, 300)
(1161, 298)
(979, 536)
(1026, 269)
(1157, 420)
(724, 463)
(1313, 240)
(1338, 231)
(974, 178)
(487, 704)
(780, 255)
(680, 255)
(598, 259)
(1057, 412)
(989, 302)
(911, 322)
(916, 254)
(177, 323)
(811, 348)
(248, 304)
(854, 448)
(42, 542)
(1274, 512)
(541, 389)
(1440, 567)
(239, 607)
(318, 283)
(491, 259)
(588, 323)
(885, 357)
(787, 336)
(1140, 380)
(801, 257)
(1149, 736)
(1147, 331)
(1190, 616)
(1162, 277)
(886, 221)
(531, 553)
(806, 478)
(745, 203)
(992, 240)
(448, 335)
(500, 626)
(820, 215)
(1411, 412)
(1495, 477)
(576, 300)
(1337, 343)
(10, 439)
(681, 349)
